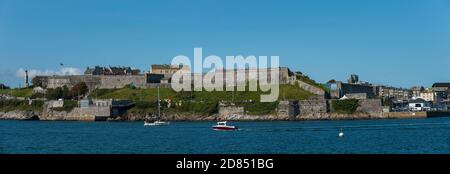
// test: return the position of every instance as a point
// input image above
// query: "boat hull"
(157, 124)
(224, 128)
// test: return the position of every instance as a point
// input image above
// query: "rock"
(19, 115)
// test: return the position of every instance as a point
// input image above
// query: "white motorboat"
(223, 126)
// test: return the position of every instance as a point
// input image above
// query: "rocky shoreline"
(19, 115)
(30, 115)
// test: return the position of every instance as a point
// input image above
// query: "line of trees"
(76, 92)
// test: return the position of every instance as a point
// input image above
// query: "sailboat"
(156, 122)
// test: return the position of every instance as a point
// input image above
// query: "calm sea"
(317, 137)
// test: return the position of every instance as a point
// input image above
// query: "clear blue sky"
(396, 42)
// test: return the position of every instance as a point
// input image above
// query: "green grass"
(199, 102)
(21, 105)
(134, 94)
(292, 92)
(151, 108)
(310, 81)
(287, 92)
(22, 92)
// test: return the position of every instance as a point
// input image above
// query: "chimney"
(26, 79)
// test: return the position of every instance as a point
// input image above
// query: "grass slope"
(287, 92)
(22, 92)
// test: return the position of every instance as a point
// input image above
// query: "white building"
(419, 105)
(429, 96)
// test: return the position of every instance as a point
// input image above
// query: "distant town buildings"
(400, 99)
(442, 90)
(415, 91)
(430, 96)
(394, 93)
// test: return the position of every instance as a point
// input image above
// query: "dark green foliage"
(185, 95)
(3, 86)
(204, 108)
(130, 86)
(37, 95)
(347, 106)
(37, 81)
(259, 108)
(387, 102)
(23, 105)
(78, 90)
(146, 104)
(65, 92)
(55, 94)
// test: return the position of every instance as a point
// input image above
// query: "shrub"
(206, 108)
(347, 106)
(79, 89)
(55, 94)
(3, 86)
(37, 81)
(22, 105)
(259, 108)
(130, 86)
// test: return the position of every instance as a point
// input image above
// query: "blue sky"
(401, 43)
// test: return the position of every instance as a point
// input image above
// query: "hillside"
(22, 92)
(287, 92)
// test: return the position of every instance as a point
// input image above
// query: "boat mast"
(159, 106)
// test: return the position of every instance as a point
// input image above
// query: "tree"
(37, 81)
(55, 94)
(3, 86)
(79, 89)
(65, 92)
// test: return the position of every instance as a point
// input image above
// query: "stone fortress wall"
(98, 81)
(139, 81)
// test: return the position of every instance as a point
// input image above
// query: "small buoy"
(341, 134)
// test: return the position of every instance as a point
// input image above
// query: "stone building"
(442, 89)
(415, 91)
(167, 69)
(98, 81)
(286, 76)
(159, 75)
(429, 95)
(97, 70)
(42, 80)
(338, 89)
(353, 79)
(288, 109)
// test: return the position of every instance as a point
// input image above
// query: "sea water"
(399, 136)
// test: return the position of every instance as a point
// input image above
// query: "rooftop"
(447, 85)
